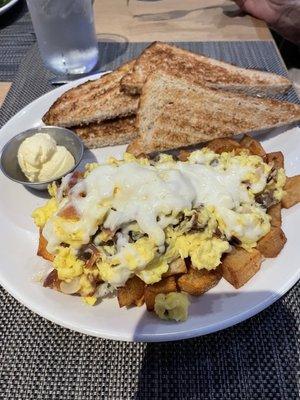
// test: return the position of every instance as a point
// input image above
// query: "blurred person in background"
(281, 15)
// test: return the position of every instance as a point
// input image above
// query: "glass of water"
(66, 34)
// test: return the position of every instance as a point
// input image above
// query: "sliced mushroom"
(89, 253)
(266, 199)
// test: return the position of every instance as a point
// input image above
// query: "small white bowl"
(9, 157)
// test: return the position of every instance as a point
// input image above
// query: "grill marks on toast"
(93, 101)
(108, 133)
(199, 69)
(175, 113)
(183, 102)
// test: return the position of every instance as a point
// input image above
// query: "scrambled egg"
(68, 232)
(141, 215)
(172, 306)
(137, 255)
(42, 214)
(204, 253)
(278, 184)
(90, 300)
(154, 271)
(66, 264)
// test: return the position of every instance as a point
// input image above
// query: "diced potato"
(253, 146)
(166, 285)
(292, 192)
(197, 282)
(183, 155)
(272, 243)
(276, 158)
(275, 214)
(240, 265)
(42, 251)
(223, 145)
(132, 294)
(176, 267)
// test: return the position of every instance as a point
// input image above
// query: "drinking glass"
(66, 34)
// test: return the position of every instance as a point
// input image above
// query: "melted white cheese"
(117, 194)
(142, 193)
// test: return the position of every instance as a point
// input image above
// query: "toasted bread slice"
(198, 69)
(93, 101)
(175, 113)
(107, 133)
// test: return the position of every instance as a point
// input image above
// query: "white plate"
(221, 307)
(7, 6)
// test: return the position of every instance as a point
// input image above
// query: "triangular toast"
(174, 113)
(200, 69)
(92, 101)
(107, 133)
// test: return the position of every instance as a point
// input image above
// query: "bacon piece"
(69, 212)
(90, 254)
(76, 176)
(52, 280)
(69, 183)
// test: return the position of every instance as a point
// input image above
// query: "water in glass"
(66, 34)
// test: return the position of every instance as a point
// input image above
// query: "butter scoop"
(42, 160)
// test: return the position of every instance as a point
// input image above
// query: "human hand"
(281, 15)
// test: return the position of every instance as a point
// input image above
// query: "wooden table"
(4, 88)
(176, 20)
(171, 20)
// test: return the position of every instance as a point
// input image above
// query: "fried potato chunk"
(166, 285)
(275, 214)
(292, 192)
(132, 294)
(224, 145)
(253, 146)
(197, 282)
(176, 267)
(272, 243)
(240, 265)
(276, 158)
(42, 250)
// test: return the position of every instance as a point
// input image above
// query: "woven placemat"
(16, 37)
(33, 79)
(258, 359)
(16, 21)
